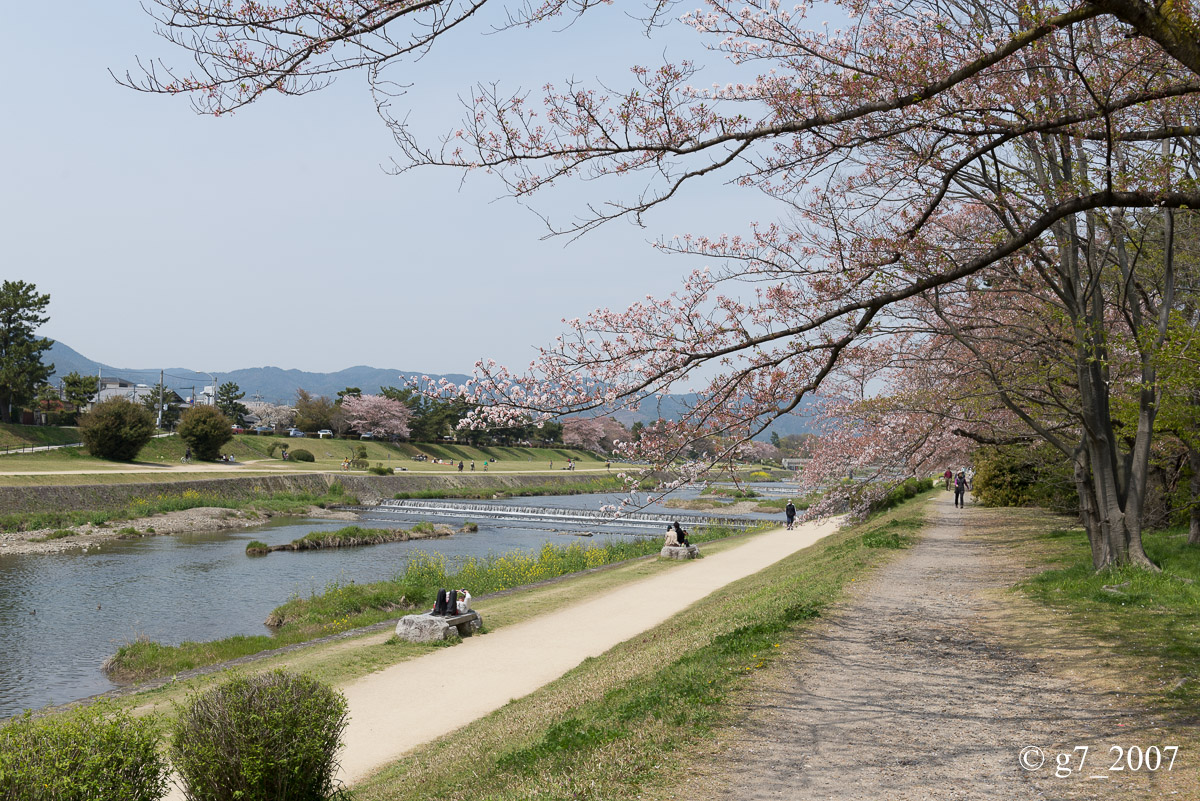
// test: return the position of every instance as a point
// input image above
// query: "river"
(63, 614)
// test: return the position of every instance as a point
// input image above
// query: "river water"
(63, 614)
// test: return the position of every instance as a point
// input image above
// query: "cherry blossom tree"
(925, 150)
(273, 414)
(376, 415)
(582, 432)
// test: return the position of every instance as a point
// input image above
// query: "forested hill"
(279, 386)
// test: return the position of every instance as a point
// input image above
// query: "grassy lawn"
(328, 455)
(17, 436)
(1150, 620)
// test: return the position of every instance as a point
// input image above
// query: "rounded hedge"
(265, 737)
(96, 753)
(205, 430)
(116, 429)
(301, 455)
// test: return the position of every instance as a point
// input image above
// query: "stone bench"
(680, 551)
(432, 628)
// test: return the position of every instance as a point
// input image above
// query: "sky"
(274, 236)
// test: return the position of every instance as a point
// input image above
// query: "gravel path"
(908, 692)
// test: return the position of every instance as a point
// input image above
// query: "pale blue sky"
(273, 237)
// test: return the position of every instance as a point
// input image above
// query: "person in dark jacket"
(790, 512)
(960, 487)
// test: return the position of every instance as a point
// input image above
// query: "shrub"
(380, 470)
(95, 753)
(256, 548)
(116, 429)
(301, 455)
(266, 737)
(909, 488)
(360, 452)
(359, 464)
(1024, 476)
(205, 430)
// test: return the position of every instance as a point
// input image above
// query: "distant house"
(115, 387)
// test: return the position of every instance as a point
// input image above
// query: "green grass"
(328, 455)
(17, 436)
(1153, 618)
(54, 535)
(628, 722)
(345, 605)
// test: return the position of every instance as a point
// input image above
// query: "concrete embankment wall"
(369, 489)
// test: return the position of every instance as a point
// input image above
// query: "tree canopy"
(965, 184)
(22, 311)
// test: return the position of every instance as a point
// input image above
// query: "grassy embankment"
(263, 453)
(15, 437)
(277, 503)
(621, 725)
(344, 606)
(1150, 620)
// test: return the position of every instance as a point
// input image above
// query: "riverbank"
(346, 606)
(57, 518)
(185, 521)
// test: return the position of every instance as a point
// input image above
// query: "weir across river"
(635, 520)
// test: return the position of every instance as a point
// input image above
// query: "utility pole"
(161, 391)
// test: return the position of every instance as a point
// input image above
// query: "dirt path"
(909, 692)
(396, 709)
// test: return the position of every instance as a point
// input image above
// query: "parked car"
(367, 435)
(238, 429)
(263, 430)
(295, 432)
(323, 433)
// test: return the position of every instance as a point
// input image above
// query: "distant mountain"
(279, 386)
(270, 383)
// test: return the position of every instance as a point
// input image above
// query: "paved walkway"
(399, 708)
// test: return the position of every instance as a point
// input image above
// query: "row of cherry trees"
(980, 212)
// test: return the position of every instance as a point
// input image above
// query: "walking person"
(960, 487)
(460, 467)
(948, 475)
(790, 512)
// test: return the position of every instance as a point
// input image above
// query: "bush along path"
(936, 681)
